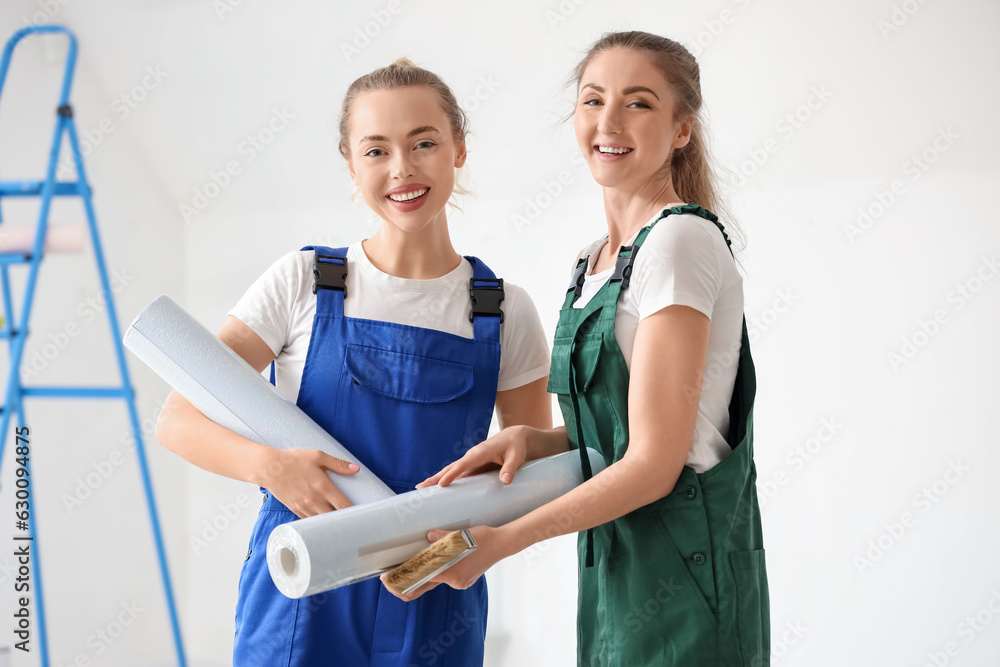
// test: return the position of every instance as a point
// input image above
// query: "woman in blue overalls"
(652, 367)
(399, 347)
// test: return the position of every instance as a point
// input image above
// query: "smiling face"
(624, 121)
(403, 155)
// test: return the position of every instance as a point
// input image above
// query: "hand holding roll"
(299, 479)
(407, 578)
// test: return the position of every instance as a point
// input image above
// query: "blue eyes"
(593, 102)
(378, 152)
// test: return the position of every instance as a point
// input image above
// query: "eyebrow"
(412, 133)
(626, 91)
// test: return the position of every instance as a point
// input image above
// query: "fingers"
(304, 510)
(430, 585)
(326, 488)
(440, 475)
(325, 495)
(415, 594)
(338, 499)
(303, 482)
(314, 505)
(448, 476)
(507, 471)
(476, 460)
(339, 466)
(435, 478)
(472, 460)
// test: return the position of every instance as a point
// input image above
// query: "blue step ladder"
(16, 331)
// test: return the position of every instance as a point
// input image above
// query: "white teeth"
(407, 196)
(616, 151)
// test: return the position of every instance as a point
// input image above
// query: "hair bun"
(403, 62)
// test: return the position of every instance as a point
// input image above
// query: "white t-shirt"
(280, 307)
(685, 261)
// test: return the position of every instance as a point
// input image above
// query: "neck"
(419, 255)
(629, 209)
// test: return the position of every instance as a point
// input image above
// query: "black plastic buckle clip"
(486, 299)
(623, 265)
(577, 284)
(329, 273)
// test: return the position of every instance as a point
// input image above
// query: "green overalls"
(682, 580)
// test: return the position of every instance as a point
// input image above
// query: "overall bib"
(680, 581)
(405, 401)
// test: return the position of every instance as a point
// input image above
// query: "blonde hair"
(691, 171)
(400, 74)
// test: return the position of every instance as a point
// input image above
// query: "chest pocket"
(408, 377)
(415, 405)
(583, 352)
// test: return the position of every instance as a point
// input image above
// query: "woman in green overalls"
(652, 367)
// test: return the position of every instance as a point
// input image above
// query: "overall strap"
(576, 285)
(605, 301)
(329, 279)
(620, 277)
(486, 293)
(585, 467)
(745, 386)
(619, 280)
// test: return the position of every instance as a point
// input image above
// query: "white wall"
(830, 300)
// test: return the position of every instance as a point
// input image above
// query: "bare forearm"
(185, 431)
(664, 390)
(624, 486)
(546, 442)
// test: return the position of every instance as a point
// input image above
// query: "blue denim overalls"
(405, 401)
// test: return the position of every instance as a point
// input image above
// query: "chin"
(411, 223)
(409, 226)
(607, 180)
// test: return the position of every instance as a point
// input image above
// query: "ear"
(350, 170)
(683, 133)
(460, 155)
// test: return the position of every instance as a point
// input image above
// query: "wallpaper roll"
(227, 390)
(313, 555)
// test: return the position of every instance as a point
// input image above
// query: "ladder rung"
(34, 188)
(14, 258)
(70, 392)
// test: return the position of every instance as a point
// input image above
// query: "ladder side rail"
(8, 303)
(12, 400)
(14, 391)
(36, 571)
(16, 38)
(12, 397)
(84, 189)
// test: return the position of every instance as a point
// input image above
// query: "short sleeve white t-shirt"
(280, 307)
(685, 261)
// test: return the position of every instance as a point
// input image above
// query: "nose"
(402, 167)
(609, 120)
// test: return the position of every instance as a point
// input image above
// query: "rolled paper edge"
(284, 538)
